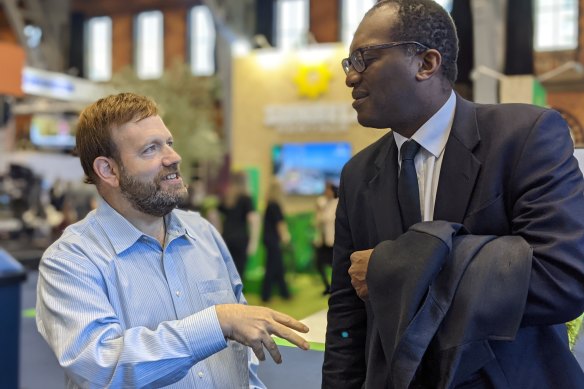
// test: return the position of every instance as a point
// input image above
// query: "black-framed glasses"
(357, 61)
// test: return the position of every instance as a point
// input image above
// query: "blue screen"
(304, 168)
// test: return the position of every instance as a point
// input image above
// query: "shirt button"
(178, 292)
(200, 374)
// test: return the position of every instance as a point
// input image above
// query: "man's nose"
(353, 78)
(171, 157)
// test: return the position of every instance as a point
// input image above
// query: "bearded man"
(139, 293)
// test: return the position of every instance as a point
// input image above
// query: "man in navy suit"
(499, 170)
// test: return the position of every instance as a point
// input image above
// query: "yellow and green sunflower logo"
(312, 80)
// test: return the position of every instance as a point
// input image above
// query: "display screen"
(55, 131)
(304, 168)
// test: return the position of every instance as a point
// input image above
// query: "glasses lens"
(357, 61)
(346, 65)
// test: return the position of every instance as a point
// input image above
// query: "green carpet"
(307, 298)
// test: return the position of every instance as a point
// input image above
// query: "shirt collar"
(433, 134)
(176, 227)
(122, 234)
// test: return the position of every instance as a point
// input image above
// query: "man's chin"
(178, 191)
(366, 121)
(160, 210)
(161, 207)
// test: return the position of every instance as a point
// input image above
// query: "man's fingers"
(283, 324)
(291, 336)
(258, 350)
(255, 326)
(290, 322)
(272, 348)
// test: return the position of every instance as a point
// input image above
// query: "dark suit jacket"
(507, 170)
(431, 300)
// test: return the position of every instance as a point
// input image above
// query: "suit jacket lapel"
(381, 193)
(460, 167)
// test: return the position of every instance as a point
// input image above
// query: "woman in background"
(326, 206)
(240, 221)
(275, 234)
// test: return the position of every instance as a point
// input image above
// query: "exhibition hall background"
(272, 106)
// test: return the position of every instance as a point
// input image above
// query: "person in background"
(324, 236)
(241, 223)
(275, 235)
(459, 235)
(57, 194)
(139, 293)
(199, 200)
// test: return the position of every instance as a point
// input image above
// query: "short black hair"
(427, 22)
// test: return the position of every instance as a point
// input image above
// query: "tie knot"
(409, 150)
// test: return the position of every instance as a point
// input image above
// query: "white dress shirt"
(432, 136)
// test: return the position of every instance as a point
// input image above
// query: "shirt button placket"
(203, 378)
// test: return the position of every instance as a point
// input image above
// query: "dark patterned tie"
(407, 186)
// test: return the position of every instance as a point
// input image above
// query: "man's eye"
(150, 149)
(369, 58)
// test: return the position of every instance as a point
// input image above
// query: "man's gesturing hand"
(252, 326)
(358, 272)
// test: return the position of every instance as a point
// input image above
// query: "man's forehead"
(143, 128)
(375, 27)
(145, 122)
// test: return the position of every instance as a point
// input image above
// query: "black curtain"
(519, 39)
(76, 56)
(265, 19)
(462, 16)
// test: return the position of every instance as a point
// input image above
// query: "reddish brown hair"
(98, 120)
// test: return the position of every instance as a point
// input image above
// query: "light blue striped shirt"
(120, 311)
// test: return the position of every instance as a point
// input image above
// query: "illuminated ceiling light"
(33, 35)
(240, 47)
(269, 58)
(316, 54)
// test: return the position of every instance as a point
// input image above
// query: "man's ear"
(430, 61)
(107, 170)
